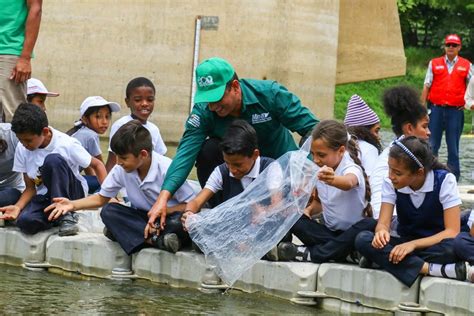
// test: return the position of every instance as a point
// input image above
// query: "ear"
(420, 172)
(127, 102)
(408, 129)
(144, 154)
(256, 154)
(341, 150)
(45, 131)
(236, 85)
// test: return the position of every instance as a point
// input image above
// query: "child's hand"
(399, 252)
(381, 239)
(326, 175)
(184, 217)
(10, 212)
(60, 207)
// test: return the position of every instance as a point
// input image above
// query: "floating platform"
(336, 287)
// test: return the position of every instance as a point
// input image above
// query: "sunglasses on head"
(451, 45)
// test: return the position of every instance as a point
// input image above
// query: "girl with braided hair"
(342, 196)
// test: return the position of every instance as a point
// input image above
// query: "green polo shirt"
(268, 106)
(13, 15)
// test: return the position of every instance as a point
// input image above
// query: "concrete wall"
(95, 47)
(370, 41)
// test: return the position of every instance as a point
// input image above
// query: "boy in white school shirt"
(141, 172)
(49, 161)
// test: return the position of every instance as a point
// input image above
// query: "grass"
(371, 91)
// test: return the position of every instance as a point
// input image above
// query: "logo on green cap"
(205, 81)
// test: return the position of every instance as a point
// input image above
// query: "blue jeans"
(450, 119)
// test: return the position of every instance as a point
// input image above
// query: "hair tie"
(408, 152)
(78, 123)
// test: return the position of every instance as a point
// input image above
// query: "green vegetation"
(371, 91)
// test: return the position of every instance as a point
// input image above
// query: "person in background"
(19, 27)
(140, 98)
(37, 93)
(95, 119)
(444, 88)
(362, 122)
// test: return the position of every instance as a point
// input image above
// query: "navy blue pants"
(464, 247)
(209, 157)
(409, 268)
(452, 120)
(127, 225)
(324, 244)
(60, 181)
(9, 196)
(92, 183)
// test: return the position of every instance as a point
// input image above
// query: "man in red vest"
(444, 88)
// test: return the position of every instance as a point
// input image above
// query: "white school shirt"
(143, 194)
(9, 178)
(342, 209)
(89, 139)
(158, 144)
(368, 156)
(273, 181)
(448, 193)
(30, 161)
(379, 173)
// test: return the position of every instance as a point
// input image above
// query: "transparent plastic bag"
(239, 232)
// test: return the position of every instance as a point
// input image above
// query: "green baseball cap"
(211, 77)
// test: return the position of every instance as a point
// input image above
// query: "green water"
(43, 293)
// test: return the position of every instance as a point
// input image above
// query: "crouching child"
(141, 172)
(50, 162)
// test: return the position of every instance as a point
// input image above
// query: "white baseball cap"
(35, 86)
(94, 101)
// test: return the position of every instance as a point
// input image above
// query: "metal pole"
(197, 38)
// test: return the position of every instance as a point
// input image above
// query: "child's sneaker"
(107, 233)
(284, 251)
(461, 270)
(303, 254)
(169, 242)
(68, 225)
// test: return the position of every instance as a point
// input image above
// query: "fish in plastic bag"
(239, 232)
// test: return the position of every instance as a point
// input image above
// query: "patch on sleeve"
(194, 120)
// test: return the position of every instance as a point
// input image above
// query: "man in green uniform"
(221, 98)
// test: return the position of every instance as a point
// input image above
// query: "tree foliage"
(425, 23)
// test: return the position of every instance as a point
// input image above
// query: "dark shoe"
(365, 263)
(68, 225)
(303, 254)
(169, 242)
(353, 257)
(284, 251)
(461, 271)
(108, 234)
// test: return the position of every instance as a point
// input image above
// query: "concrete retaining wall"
(337, 287)
(91, 47)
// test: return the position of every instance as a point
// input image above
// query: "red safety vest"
(448, 88)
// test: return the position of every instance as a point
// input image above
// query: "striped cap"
(359, 114)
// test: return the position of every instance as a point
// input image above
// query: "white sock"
(436, 269)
